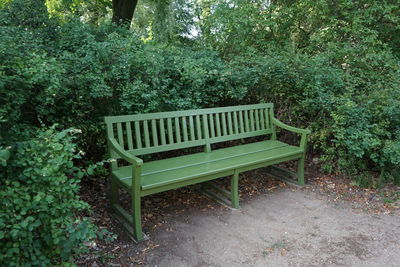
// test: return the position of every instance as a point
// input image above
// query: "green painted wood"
(129, 135)
(112, 154)
(230, 127)
(214, 186)
(283, 175)
(217, 193)
(211, 120)
(162, 132)
(158, 179)
(218, 123)
(223, 118)
(135, 203)
(268, 162)
(300, 171)
(262, 119)
(120, 135)
(267, 118)
(246, 120)
(235, 190)
(138, 135)
(185, 130)
(174, 114)
(191, 127)
(193, 159)
(197, 128)
(168, 147)
(238, 136)
(154, 132)
(241, 122)
(271, 115)
(177, 130)
(114, 199)
(235, 122)
(118, 152)
(252, 121)
(257, 120)
(170, 133)
(206, 133)
(146, 134)
(193, 181)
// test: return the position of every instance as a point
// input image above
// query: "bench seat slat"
(163, 172)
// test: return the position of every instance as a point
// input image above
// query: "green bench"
(135, 135)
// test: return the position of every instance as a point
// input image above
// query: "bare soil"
(330, 222)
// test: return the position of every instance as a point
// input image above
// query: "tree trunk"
(123, 11)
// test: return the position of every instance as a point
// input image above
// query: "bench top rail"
(157, 132)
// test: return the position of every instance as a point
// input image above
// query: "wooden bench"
(135, 135)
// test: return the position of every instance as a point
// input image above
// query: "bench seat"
(160, 173)
(129, 137)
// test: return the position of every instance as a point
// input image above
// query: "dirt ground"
(328, 223)
(289, 227)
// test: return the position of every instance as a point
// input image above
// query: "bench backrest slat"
(157, 132)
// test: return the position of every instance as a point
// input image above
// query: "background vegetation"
(330, 66)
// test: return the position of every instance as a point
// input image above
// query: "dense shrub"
(331, 67)
(76, 73)
(354, 117)
(38, 192)
(86, 73)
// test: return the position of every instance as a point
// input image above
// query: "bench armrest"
(123, 154)
(303, 132)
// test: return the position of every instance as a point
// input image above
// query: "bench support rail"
(295, 178)
(225, 197)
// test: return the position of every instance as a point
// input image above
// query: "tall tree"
(123, 11)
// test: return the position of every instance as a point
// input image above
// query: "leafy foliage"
(38, 225)
(331, 66)
(334, 65)
(337, 71)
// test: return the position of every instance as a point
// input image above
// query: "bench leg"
(235, 190)
(136, 218)
(221, 195)
(300, 171)
(287, 175)
(136, 206)
(114, 198)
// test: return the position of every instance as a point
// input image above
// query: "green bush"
(87, 72)
(336, 72)
(352, 110)
(39, 225)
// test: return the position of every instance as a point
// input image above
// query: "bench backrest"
(157, 132)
